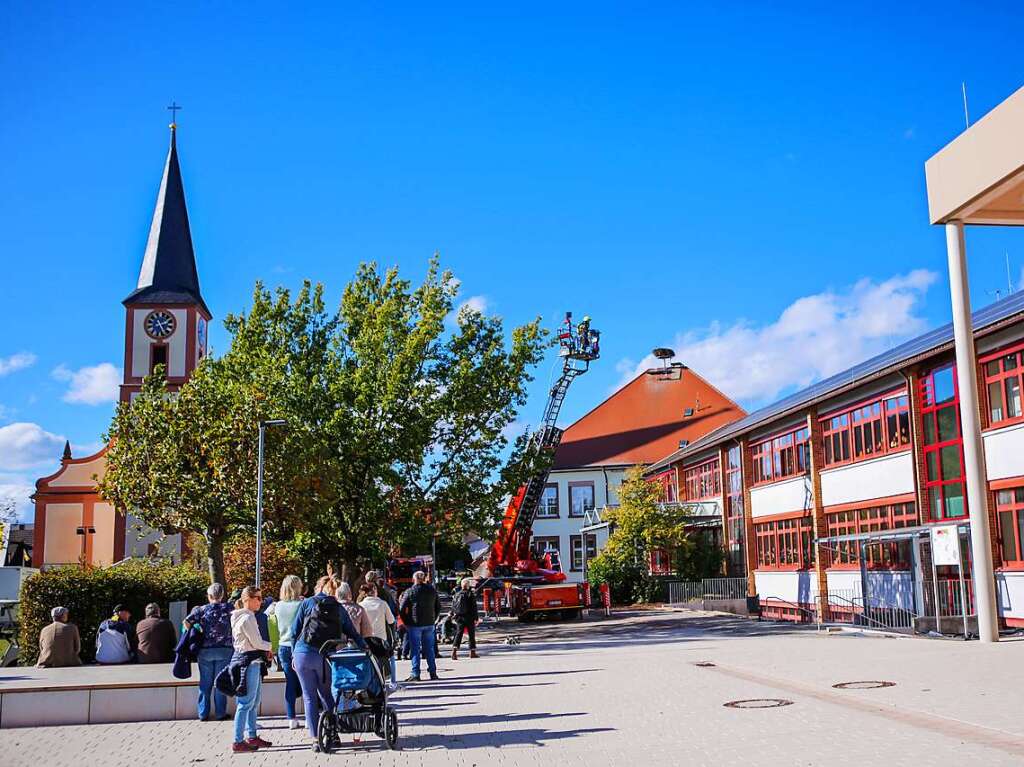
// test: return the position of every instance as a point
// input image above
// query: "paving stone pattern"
(628, 692)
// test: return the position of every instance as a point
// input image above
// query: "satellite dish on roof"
(663, 353)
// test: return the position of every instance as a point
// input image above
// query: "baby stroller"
(361, 698)
(444, 628)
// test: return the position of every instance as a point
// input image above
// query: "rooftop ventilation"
(688, 412)
(683, 443)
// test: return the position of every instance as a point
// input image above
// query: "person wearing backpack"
(466, 616)
(320, 618)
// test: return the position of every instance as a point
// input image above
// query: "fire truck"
(525, 583)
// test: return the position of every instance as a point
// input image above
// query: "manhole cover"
(759, 703)
(870, 684)
(704, 664)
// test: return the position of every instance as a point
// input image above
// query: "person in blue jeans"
(310, 666)
(214, 619)
(419, 607)
(285, 609)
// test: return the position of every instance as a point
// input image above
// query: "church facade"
(166, 322)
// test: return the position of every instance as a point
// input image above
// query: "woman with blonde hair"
(251, 650)
(285, 609)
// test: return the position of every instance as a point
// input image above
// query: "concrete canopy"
(978, 178)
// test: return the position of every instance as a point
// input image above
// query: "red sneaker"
(258, 742)
(242, 747)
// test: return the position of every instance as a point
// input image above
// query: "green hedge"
(91, 593)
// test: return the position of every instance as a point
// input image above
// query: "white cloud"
(28, 445)
(813, 337)
(92, 385)
(16, 362)
(18, 488)
(476, 304)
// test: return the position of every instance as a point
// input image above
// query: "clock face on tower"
(159, 324)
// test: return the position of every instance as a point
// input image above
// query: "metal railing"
(683, 592)
(949, 597)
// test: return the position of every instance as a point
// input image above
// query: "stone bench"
(31, 697)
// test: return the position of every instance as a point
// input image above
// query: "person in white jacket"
(245, 634)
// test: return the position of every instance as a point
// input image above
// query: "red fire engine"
(529, 585)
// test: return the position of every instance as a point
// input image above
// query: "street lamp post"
(259, 493)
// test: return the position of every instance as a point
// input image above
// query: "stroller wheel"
(390, 728)
(326, 732)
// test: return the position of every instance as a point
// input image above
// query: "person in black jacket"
(419, 607)
(466, 616)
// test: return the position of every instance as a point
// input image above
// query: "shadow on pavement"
(528, 737)
(496, 719)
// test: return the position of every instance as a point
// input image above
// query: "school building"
(660, 409)
(857, 467)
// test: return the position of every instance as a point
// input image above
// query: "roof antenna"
(1009, 279)
(967, 116)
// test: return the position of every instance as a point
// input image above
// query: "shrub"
(240, 565)
(90, 594)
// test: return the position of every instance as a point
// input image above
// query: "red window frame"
(878, 426)
(660, 562)
(884, 556)
(1003, 371)
(734, 521)
(943, 448)
(667, 483)
(780, 457)
(703, 480)
(1010, 515)
(785, 544)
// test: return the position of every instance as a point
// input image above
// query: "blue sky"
(729, 181)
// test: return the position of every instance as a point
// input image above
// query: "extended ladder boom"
(579, 346)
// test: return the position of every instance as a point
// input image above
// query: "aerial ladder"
(529, 583)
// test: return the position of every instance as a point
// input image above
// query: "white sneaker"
(294, 724)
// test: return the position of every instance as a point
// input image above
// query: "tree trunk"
(215, 558)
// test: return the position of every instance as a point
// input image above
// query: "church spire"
(168, 274)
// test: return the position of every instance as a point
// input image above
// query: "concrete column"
(970, 427)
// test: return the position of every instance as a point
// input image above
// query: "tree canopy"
(397, 413)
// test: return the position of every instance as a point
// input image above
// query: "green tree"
(396, 420)
(639, 524)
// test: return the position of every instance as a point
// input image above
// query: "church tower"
(167, 318)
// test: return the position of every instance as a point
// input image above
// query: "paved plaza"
(637, 689)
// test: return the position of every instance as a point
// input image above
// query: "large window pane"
(1007, 529)
(935, 502)
(950, 459)
(933, 466)
(581, 498)
(1020, 531)
(1010, 361)
(954, 499)
(992, 368)
(995, 401)
(944, 388)
(1012, 397)
(948, 426)
(929, 428)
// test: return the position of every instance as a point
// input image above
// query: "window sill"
(1011, 567)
